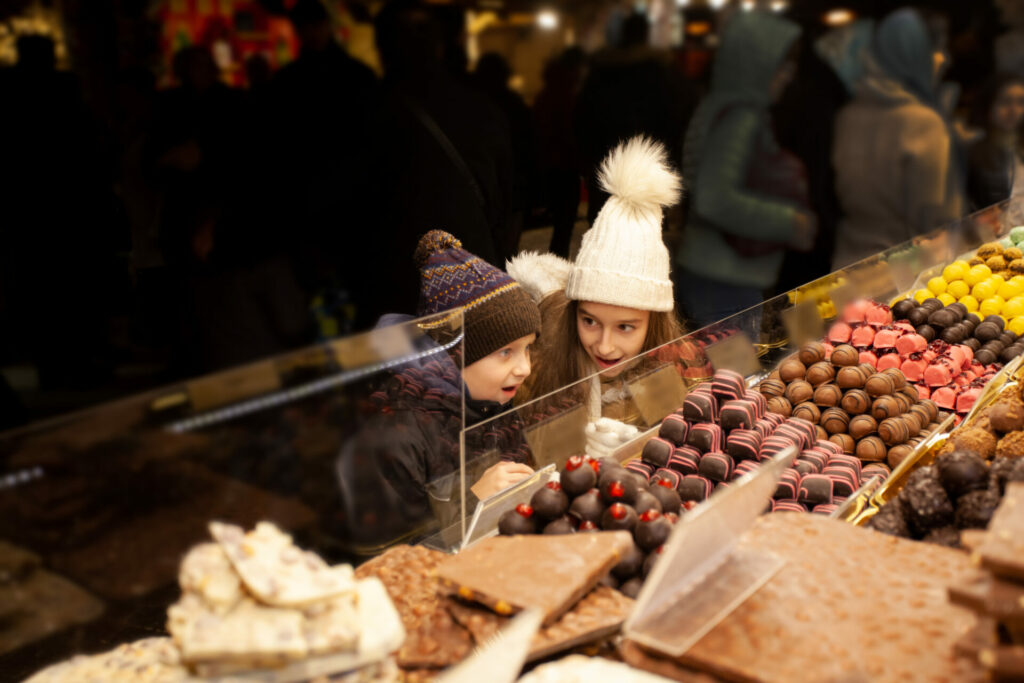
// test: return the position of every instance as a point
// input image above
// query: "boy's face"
(611, 334)
(497, 377)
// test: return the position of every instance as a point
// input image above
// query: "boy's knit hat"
(622, 260)
(495, 309)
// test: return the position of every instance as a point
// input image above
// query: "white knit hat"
(622, 260)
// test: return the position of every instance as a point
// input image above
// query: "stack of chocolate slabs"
(996, 592)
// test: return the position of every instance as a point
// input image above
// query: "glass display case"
(98, 508)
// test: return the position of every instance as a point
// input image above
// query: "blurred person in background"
(748, 195)
(899, 170)
(995, 168)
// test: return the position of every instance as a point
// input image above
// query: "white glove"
(605, 435)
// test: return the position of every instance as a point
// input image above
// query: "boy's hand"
(500, 476)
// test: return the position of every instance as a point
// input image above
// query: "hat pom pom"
(434, 242)
(637, 173)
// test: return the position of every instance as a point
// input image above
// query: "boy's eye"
(505, 353)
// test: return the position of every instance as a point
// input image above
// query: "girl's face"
(611, 334)
(497, 377)
(1008, 109)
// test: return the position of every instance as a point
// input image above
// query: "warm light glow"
(547, 19)
(748, 5)
(682, 3)
(698, 28)
(718, 4)
(838, 17)
(779, 5)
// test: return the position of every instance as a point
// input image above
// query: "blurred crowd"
(203, 225)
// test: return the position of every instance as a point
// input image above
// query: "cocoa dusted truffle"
(1011, 445)
(577, 477)
(519, 520)
(889, 520)
(974, 510)
(961, 472)
(1007, 416)
(587, 507)
(550, 502)
(619, 517)
(651, 530)
(925, 503)
(974, 439)
(945, 535)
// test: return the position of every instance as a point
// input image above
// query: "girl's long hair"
(559, 358)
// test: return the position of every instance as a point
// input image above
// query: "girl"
(995, 165)
(615, 301)
(412, 438)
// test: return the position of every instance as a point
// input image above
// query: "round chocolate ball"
(811, 353)
(827, 395)
(871, 448)
(898, 454)
(652, 557)
(918, 317)
(835, 420)
(578, 476)
(820, 372)
(879, 384)
(861, 426)
(926, 331)
(898, 379)
(1009, 353)
(646, 500)
(799, 391)
(987, 331)
(619, 517)
(631, 588)
(1007, 337)
(562, 525)
(820, 433)
(932, 304)
(550, 502)
(587, 507)
(942, 318)
(985, 357)
(901, 308)
(772, 387)
(652, 529)
(618, 487)
(518, 520)
(668, 497)
(780, 405)
(972, 343)
(844, 355)
(630, 565)
(845, 441)
(586, 525)
(958, 308)
(995, 320)
(953, 335)
(807, 411)
(893, 430)
(974, 319)
(911, 391)
(856, 401)
(962, 472)
(850, 377)
(791, 370)
(903, 400)
(933, 408)
(885, 407)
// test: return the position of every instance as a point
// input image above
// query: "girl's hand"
(500, 476)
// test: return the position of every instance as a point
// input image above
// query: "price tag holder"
(232, 386)
(557, 438)
(841, 296)
(658, 393)
(371, 348)
(803, 323)
(735, 352)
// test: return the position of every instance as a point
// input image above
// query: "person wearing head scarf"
(898, 168)
(748, 195)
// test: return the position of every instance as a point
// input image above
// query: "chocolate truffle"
(651, 530)
(780, 405)
(835, 420)
(699, 407)
(925, 503)
(658, 450)
(845, 441)
(645, 500)
(668, 497)
(820, 372)
(587, 507)
(630, 565)
(799, 391)
(807, 411)
(652, 558)
(918, 317)
(961, 472)
(586, 525)
(932, 304)
(1004, 470)
(844, 355)
(518, 520)
(550, 502)
(577, 477)
(871, 449)
(772, 387)
(562, 525)
(855, 402)
(811, 352)
(617, 488)
(893, 430)
(985, 356)
(631, 588)
(619, 517)
(861, 426)
(946, 535)
(977, 440)
(879, 384)
(1011, 445)
(926, 331)
(898, 454)
(889, 520)
(884, 407)
(827, 395)
(1007, 416)
(791, 370)
(987, 331)
(850, 377)
(737, 414)
(902, 307)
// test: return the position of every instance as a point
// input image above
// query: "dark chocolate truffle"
(932, 304)
(987, 331)
(652, 558)
(972, 343)
(619, 517)
(902, 307)
(618, 488)
(917, 317)
(550, 502)
(630, 565)
(646, 500)
(945, 535)
(974, 510)
(562, 525)
(668, 497)
(577, 477)
(651, 530)
(961, 472)
(925, 503)
(518, 520)
(587, 507)
(926, 331)
(890, 520)
(985, 356)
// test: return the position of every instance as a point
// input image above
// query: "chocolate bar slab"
(551, 573)
(1002, 553)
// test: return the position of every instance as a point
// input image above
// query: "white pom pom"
(539, 274)
(638, 174)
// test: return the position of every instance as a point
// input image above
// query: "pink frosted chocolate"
(913, 369)
(815, 489)
(839, 333)
(923, 391)
(856, 311)
(889, 360)
(877, 314)
(957, 355)
(760, 401)
(886, 339)
(787, 506)
(868, 357)
(967, 398)
(683, 462)
(939, 373)
(823, 445)
(911, 343)
(930, 354)
(962, 380)
(904, 326)
(945, 397)
(705, 437)
(788, 484)
(745, 467)
(862, 336)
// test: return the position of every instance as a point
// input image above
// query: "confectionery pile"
(995, 593)
(964, 486)
(992, 286)
(876, 416)
(937, 356)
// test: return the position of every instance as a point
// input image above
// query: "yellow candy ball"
(946, 298)
(991, 306)
(969, 301)
(955, 271)
(976, 274)
(1013, 308)
(1018, 279)
(1010, 289)
(937, 285)
(982, 291)
(922, 294)
(996, 281)
(957, 289)
(1017, 326)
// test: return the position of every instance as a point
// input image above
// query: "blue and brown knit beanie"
(496, 310)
